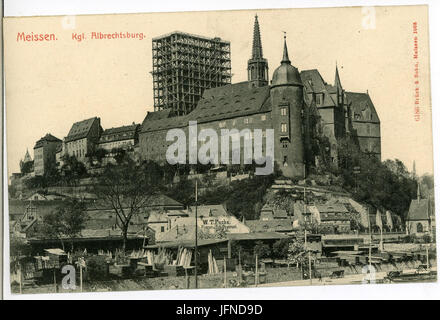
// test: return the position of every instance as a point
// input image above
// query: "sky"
(51, 85)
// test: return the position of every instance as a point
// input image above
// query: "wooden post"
(55, 280)
(186, 279)
(224, 271)
(195, 246)
(81, 277)
(256, 270)
(20, 277)
(239, 267)
(427, 257)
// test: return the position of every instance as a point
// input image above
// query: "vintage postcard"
(219, 149)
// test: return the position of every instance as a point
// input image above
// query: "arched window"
(419, 227)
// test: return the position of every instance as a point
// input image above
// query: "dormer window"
(318, 99)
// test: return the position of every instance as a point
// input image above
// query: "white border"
(394, 291)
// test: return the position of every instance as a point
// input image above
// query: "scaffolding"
(184, 65)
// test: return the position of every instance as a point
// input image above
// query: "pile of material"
(212, 264)
(183, 257)
(107, 253)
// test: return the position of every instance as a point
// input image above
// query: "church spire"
(257, 49)
(337, 83)
(257, 65)
(285, 53)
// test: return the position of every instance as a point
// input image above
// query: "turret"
(286, 93)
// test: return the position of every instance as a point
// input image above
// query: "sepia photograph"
(219, 149)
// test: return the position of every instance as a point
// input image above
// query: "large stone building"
(82, 138)
(300, 107)
(125, 137)
(44, 153)
(365, 122)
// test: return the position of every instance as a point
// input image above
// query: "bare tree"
(127, 188)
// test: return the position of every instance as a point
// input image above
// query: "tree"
(262, 250)
(19, 247)
(27, 167)
(126, 188)
(66, 222)
(281, 248)
(73, 170)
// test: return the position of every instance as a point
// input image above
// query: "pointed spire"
(27, 156)
(257, 49)
(337, 79)
(285, 53)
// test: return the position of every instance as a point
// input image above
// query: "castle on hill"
(309, 116)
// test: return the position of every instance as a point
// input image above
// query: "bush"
(96, 267)
(262, 250)
(281, 248)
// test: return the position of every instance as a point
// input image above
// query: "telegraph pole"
(195, 247)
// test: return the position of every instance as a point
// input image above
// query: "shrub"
(96, 267)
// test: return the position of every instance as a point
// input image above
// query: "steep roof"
(218, 103)
(419, 210)
(119, 133)
(17, 207)
(158, 115)
(313, 82)
(80, 129)
(278, 225)
(362, 107)
(159, 200)
(48, 138)
(331, 208)
(208, 210)
(27, 157)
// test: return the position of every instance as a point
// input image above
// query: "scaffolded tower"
(184, 65)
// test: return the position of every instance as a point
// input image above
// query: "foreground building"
(421, 217)
(300, 107)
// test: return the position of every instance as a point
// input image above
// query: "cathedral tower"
(257, 65)
(286, 92)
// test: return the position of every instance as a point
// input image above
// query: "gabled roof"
(156, 217)
(278, 225)
(80, 129)
(419, 210)
(158, 115)
(47, 138)
(362, 107)
(159, 200)
(313, 82)
(218, 103)
(331, 208)
(216, 210)
(280, 213)
(119, 133)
